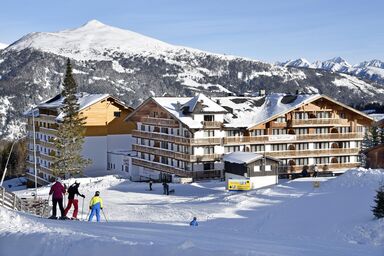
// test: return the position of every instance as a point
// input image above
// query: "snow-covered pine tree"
(378, 209)
(70, 136)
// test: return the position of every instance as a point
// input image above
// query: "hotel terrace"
(105, 131)
(188, 136)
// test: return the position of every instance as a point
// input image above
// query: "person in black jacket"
(73, 191)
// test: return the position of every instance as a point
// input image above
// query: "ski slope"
(291, 218)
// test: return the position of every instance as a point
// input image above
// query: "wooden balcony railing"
(212, 124)
(160, 167)
(176, 139)
(48, 131)
(317, 122)
(176, 155)
(331, 167)
(48, 157)
(159, 121)
(49, 118)
(313, 152)
(294, 138)
(41, 181)
(47, 144)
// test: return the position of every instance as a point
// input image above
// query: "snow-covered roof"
(241, 157)
(83, 99)
(176, 105)
(250, 111)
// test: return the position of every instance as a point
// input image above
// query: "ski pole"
(82, 209)
(89, 211)
(104, 215)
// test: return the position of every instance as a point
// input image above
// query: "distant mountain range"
(371, 70)
(134, 67)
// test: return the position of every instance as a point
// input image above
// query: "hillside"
(132, 67)
(292, 219)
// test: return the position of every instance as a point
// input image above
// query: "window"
(257, 148)
(342, 115)
(164, 144)
(280, 119)
(301, 131)
(209, 118)
(230, 149)
(231, 133)
(321, 160)
(209, 133)
(323, 114)
(301, 115)
(322, 130)
(346, 129)
(256, 168)
(142, 127)
(208, 166)
(301, 161)
(279, 131)
(321, 145)
(116, 114)
(301, 146)
(209, 150)
(164, 130)
(279, 147)
(257, 132)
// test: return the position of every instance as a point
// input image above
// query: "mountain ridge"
(32, 69)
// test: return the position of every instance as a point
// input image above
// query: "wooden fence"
(36, 206)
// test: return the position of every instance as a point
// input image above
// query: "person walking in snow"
(315, 171)
(73, 191)
(150, 184)
(57, 191)
(95, 205)
(165, 187)
(194, 222)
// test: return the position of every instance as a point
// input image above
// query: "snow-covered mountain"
(371, 70)
(2, 46)
(133, 67)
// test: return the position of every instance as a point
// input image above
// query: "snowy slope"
(2, 46)
(291, 218)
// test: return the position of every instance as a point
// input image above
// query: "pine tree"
(70, 136)
(378, 210)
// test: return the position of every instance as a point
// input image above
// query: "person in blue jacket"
(95, 206)
(194, 222)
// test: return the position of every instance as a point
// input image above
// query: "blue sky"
(273, 30)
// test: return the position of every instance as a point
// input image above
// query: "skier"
(57, 191)
(72, 191)
(194, 222)
(165, 187)
(315, 171)
(150, 184)
(304, 172)
(95, 206)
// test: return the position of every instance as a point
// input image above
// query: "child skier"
(194, 222)
(95, 206)
(73, 190)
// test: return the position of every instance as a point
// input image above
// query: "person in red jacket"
(73, 191)
(57, 191)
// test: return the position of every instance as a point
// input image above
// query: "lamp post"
(6, 164)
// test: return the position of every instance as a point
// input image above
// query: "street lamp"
(9, 156)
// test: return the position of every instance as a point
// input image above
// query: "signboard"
(283, 137)
(239, 184)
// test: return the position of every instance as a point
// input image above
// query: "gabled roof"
(241, 157)
(83, 99)
(176, 105)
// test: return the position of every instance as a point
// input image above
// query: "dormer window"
(116, 114)
(209, 118)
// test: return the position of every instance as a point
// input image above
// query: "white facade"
(256, 182)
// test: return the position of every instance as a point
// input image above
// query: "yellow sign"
(238, 184)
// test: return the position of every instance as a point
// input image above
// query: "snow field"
(291, 218)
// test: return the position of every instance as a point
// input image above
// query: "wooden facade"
(104, 117)
(322, 131)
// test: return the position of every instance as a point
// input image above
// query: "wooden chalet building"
(187, 136)
(105, 131)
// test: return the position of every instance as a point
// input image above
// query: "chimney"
(178, 105)
(218, 101)
(262, 92)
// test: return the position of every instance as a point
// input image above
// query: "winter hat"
(97, 193)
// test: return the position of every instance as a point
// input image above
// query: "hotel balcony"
(46, 118)
(48, 131)
(176, 139)
(48, 157)
(160, 167)
(316, 122)
(176, 155)
(40, 181)
(293, 138)
(313, 152)
(159, 121)
(331, 167)
(212, 124)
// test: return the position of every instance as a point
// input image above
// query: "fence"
(37, 206)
